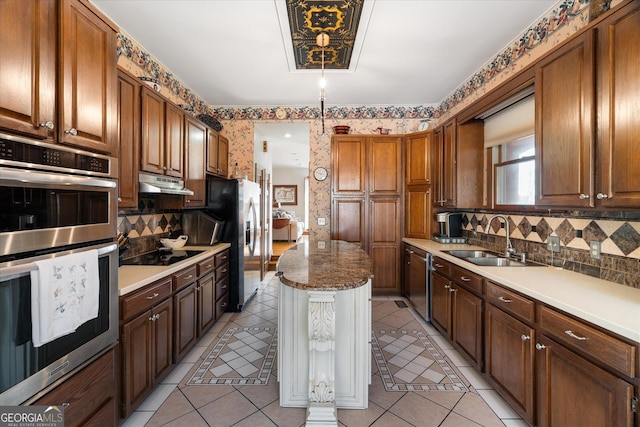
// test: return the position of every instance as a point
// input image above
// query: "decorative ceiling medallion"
(338, 18)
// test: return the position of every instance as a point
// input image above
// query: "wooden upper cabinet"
(174, 140)
(349, 157)
(385, 165)
(565, 121)
(418, 158)
(87, 79)
(619, 109)
(217, 154)
(128, 139)
(153, 127)
(28, 70)
(196, 138)
(223, 156)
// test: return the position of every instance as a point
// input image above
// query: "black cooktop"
(160, 258)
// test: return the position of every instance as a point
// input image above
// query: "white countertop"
(132, 277)
(609, 305)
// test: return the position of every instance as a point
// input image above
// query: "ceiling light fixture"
(322, 40)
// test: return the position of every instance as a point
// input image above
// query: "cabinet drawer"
(469, 280)
(518, 306)
(206, 266)
(222, 258)
(222, 272)
(579, 336)
(222, 287)
(441, 266)
(221, 305)
(145, 298)
(184, 277)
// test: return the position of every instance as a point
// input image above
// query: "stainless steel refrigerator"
(237, 203)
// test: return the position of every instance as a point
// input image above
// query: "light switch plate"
(322, 221)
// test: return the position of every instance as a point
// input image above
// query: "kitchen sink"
(489, 259)
(471, 254)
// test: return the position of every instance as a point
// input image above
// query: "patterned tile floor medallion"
(243, 356)
(410, 361)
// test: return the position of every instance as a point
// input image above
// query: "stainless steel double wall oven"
(54, 201)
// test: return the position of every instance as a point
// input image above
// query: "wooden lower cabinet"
(146, 353)
(574, 392)
(441, 303)
(206, 288)
(185, 307)
(509, 360)
(467, 332)
(91, 394)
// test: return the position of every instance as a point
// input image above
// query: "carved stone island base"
(324, 347)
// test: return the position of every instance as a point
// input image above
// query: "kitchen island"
(324, 329)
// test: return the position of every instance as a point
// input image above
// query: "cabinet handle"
(187, 201)
(438, 265)
(224, 304)
(152, 296)
(224, 270)
(208, 266)
(572, 335)
(584, 196)
(224, 257)
(188, 277)
(447, 287)
(540, 346)
(151, 319)
(465, 279)
(47, 125)
(601, 196)
(524, 337)
(224, 286)
(503, 299)
(72, 131)
(452, 290)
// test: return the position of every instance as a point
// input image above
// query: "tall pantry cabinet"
(366, 206)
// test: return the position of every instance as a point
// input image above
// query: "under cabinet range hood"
(162, 184)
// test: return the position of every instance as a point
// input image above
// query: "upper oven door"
(42, 210)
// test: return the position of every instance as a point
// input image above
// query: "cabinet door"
(384, 165)
(196, 138)
(128, 140)
(449, 165)
(212, 151)
(162, 339)
(174, 140)
(384, 243)
(509, 360)
(441, 303)
(417, 213)
(206, 303)
(223, 156)
(28, 71)
(137, 353)
(467, 325)
(348, 164)
(575, 392)
(88, 79)
(619, 109)
(437, 159)
(348, 221)
(185, 305)
(564, 125)
(418, 159)
(152, 139)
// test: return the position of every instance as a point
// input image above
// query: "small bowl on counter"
(175, 243)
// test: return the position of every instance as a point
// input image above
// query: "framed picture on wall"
(285, 194)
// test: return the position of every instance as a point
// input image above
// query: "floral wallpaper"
(563, 20)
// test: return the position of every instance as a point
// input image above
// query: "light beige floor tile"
(285, 416)
(390, 420)
(360, 417)
(261, 395)
(475, 378)
(514, 422)
(256, 420)
(380, 396)
(497, 403)
(138, 419)
(175, 406)
(455, 420)
(227, 410)
(442, 343)
(201, 395)
(192, 419)
(473, 407)
(157, 397)
(448, 399)
(456, 357)
(178, 373)
(418, 410)
(194, 354)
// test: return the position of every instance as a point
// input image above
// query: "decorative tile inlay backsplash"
(145, 231)
(619, 242)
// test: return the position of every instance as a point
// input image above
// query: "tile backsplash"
(619, 241)
(145, 230)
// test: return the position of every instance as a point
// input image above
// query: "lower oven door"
(26, 371)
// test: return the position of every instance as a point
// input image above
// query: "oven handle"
(19, 270)
(35, 177)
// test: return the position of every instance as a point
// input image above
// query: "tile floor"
(176, 402)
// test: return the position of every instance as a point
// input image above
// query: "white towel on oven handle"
(65, 293)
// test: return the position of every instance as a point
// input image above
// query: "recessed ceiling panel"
(338, 18)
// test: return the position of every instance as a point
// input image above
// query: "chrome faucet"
(509, 251)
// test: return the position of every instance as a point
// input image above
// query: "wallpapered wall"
(563, 20)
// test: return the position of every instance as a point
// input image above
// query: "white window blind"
(510, 124)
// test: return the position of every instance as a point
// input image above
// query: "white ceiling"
(236, 52)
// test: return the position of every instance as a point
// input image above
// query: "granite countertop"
(609, 305)
(336, 267)
(133, 277)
